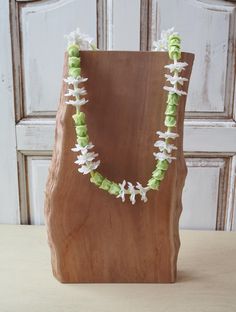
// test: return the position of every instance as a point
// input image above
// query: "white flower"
(142, 191)
(167, 135)
(85, 158)
(82, 149)
(83, 41)
(76, 92)
(77, 102)
(89, 166)
(163, 156)
(132, 193)
(162, 44)
(175, 79)
(162, 145)
(173, 90)
(122, 191)
(75, 81)
(177, 66)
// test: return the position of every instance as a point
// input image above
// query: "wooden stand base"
(93, 236)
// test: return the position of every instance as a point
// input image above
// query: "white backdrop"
(31, 68)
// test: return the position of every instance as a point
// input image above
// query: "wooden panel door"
(31, 69)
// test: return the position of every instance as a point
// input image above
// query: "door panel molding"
(214, 65)
(31, 185)
(198, 137)
(220, 188)
(36, 66)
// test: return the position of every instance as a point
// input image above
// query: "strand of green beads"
(80, 123)
(104, 184)
(79, 117)
(170, 114)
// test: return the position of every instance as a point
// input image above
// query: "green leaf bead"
(114, 189)
(81, 131)
(79, 118)
(154, 183)
(173, 98)
(73, 50)
(162, 164)
(83, 141)
(171, 110)
(158, 174)
(96, 178)
(174, 52)
(170, 121)
(106, 184)
(74, 61)
(174, 37)
(74, 72)
(174, 41)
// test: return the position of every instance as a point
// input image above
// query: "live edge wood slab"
(93, 236)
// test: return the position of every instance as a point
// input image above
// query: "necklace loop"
(170, 42)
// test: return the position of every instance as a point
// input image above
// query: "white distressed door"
(31, 71)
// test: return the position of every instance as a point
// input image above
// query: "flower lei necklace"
(170, 41)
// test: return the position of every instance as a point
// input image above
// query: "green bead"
(174, 41)
(170, 121)
(73, 50)
(174, 44)
(174, 37)
(158, 174)
(106, 184)
(96, 178)
(171, 110)
(154, 183)
(83, 141)
(79, 118)
(174, 53)
(81, 131)
(173, 98)
(114, 189)
(74, 72)
(74, 61)
(162, 164)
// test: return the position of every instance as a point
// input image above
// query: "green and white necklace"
(170, 41)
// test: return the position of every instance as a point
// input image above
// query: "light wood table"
(206, 278)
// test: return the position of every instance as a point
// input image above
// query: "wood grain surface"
(93, 236)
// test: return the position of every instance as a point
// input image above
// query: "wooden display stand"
(93, 236)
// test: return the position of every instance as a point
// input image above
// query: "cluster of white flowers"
(86, 158)
(164, 147)
(162, 43)
(132, 191)
(76, 92)
(176, 67)
(175, 80)
(83, 41)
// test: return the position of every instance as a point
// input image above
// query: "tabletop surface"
(206, 278)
